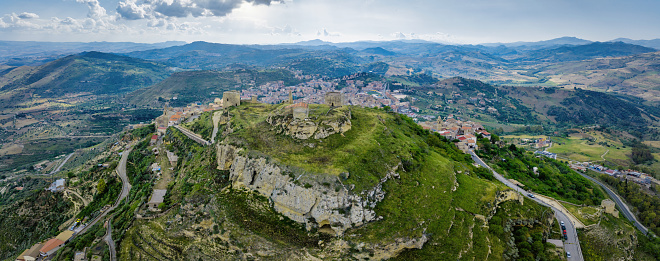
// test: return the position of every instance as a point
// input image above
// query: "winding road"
(619, 202)
(108, 240)
(571, 244)
(125, 189)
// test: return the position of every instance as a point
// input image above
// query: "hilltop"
(364, 184)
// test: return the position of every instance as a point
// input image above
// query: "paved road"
(126, 187)
(108, 239)
(216, 119)
(193, 135)
(622, 206)
(572, 244)
(61, 164)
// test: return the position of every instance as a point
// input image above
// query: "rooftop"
(50, 245)
(300, 104)
(158, 196)
(33, 251)
(64, 236)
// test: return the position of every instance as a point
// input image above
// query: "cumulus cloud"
(434, 37)
(96, 11)
(286, 30)
(27, 15)
(325, 33)
(149, 9)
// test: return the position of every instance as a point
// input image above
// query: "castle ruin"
(231, 98)
(300, 111)
(334, 99)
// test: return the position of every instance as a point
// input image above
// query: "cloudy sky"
(277, 21)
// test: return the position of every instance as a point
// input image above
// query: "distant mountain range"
(15, 53)
(655, 43)
(547, 43)
(526, 63)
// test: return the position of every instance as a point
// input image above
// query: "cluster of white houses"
(463, 131)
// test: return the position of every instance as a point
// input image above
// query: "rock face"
(322, 202)
(303, 129)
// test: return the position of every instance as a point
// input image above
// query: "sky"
(289, 21)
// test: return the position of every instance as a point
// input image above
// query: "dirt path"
(216, 119)
(603, 156)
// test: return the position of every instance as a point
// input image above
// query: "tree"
(494, 138)
(101, 186)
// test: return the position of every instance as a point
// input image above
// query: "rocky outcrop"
(303, 129)
(318, 202)
(330, 127)
(225, 155)
(379, 251)
(300, 129)
(507, 195)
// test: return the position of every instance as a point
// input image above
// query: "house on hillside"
(51, 247)
(31, 254)
(58, 185)
(162, 130)
(174, 120)
(65, 236)
(172, 158)
(157, 197)
(154, 139)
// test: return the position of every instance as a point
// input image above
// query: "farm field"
(592, 146)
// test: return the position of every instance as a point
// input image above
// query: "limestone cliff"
(320, 202)
(318, 127)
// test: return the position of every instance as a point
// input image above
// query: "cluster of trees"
(106, 194)
(645, 206)
(641, 153)
(204, 125)
(551, 178)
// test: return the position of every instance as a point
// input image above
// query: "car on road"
(565, 237)
(530, 195)
(568, 254)
(561, 223)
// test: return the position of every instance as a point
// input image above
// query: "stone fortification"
(334, 99)
(231, 98)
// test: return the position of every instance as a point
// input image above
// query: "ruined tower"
(334, 99)
(231, 98)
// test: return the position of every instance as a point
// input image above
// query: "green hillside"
(431, 200)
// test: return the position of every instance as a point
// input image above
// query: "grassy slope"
(579, 148)
(430, 197)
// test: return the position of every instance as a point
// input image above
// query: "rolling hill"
(86, 73)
